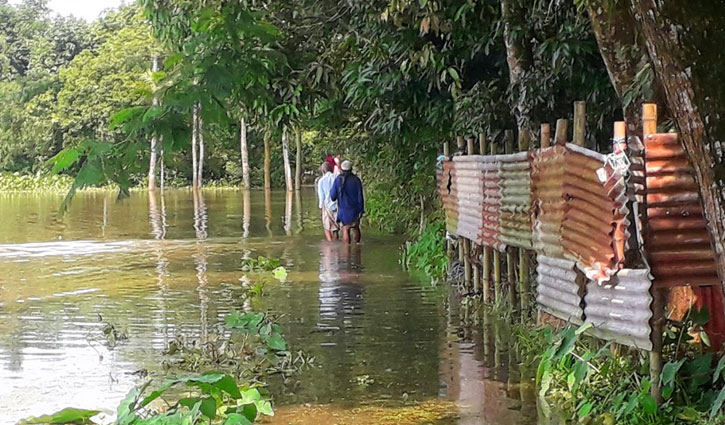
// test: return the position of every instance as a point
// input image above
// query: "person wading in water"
(326, 205)
(348, 192)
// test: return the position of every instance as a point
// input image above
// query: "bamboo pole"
(446, 149)
(496, 258)
(486, 269)
(649, 125)
(545, 135)
(483, 143)
(510, 252)
(580, 123)
(449, 245)
(560, 136)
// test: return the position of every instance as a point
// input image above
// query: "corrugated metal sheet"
(559, 288)
(620, 309)
(448, 193)
(547, 184)
(514, 174)
(595, 217)
(677, 239)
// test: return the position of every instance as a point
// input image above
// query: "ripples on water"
(170, 265)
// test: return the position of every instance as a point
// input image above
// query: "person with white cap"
(348, 192)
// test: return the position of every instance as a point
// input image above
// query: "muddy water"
(388, 347)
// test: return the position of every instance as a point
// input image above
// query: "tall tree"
(153, 156)
(285, 160)
(684, 41)
(298, 159)
(244, 152)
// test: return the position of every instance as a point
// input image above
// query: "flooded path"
(387, 347)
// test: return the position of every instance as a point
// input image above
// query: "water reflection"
(298, 207)
(169, 264)
(247, 213)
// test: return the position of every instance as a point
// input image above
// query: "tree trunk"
(518, 57)
(153, 158)
(624, 57)
(267, 163)
(200, 167)
(285, 160)
(162, 172)
(684, 41)
(245, 152)
(298, 160)
(194, 154)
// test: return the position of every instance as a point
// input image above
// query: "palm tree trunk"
(245, 152)
(298, 159)
(285, 159)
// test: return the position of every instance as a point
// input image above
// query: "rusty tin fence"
(612, 235)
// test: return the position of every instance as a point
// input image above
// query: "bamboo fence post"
(524, 286)
(496, 257)
(449, 245)
(580, 123)
(460, 146)
(560, 137)
(510, 252)
(649, 125)
(471, 144)
(486, 269)
(545, 135)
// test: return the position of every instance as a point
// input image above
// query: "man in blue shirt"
(348, 192)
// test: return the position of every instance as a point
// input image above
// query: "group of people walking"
(341, 200)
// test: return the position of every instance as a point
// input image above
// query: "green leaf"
(585, 409)
(276, 342)
(264, 407)
(208, 407)
(669, 371)
(237, 419)
(280, 273)
(250, 411)
(65, 416)
(229, 385)
(719, 370)
(648, 404)
(717, 404)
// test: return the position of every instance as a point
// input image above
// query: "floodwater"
(386, 343)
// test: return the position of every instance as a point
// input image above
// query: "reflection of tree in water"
(288, 214)
(247, 213)
(298, 207)
(157, 219)
(201, 264)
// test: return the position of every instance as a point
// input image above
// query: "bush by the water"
(16, 182)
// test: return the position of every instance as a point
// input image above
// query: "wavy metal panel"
(620, 309)
(547, 185)
(595, 217)
(559, 288)
(514, 173)
(677, 239)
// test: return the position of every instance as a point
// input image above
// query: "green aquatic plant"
(260, 264)
(428, 252)
(68, 415)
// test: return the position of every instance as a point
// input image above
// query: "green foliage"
(16, 182)
(65, 416)
(593, 383)
(428, 253)
(260, 263)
